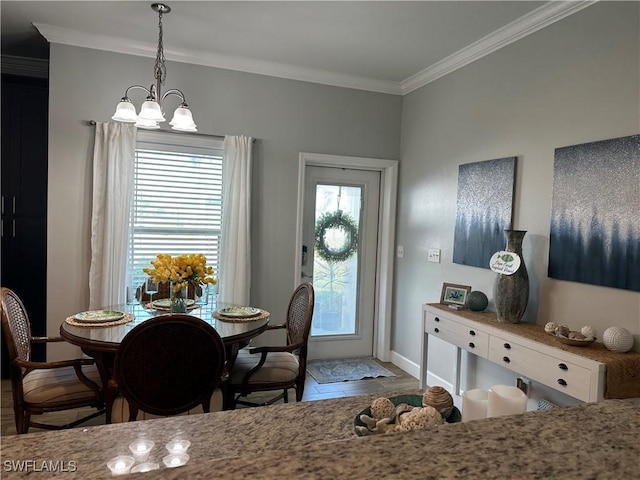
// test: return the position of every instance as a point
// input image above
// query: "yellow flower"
(181, 270)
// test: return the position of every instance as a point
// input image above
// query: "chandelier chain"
(160, 67)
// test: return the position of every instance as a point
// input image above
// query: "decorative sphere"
(477, 301)
(550, 328)
(617, 339)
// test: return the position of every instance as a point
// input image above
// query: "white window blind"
(177, 200)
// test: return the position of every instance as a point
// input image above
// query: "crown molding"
(74, 38)
(24, 66)
(537, 19)
(512, 32)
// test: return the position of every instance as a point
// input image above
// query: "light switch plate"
(434, 255)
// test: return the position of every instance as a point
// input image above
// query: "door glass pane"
(336, 281)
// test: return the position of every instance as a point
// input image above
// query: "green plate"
(98, 316)
(239, 312)
(413, 400)
(166, 302)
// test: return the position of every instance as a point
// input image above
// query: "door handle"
(304, 275)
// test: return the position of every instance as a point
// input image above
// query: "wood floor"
(312, 391)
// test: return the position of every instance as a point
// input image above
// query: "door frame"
(386, 234)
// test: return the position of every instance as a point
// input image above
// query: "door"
(340, 241)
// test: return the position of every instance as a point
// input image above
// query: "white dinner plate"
(239, 311)
(99, 316)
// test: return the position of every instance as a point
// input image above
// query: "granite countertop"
(316, 440)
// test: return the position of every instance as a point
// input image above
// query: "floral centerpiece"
(180, 271)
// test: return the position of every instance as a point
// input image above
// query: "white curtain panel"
(234, 277)
(113, 168)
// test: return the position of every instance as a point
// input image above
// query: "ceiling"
(385, 46)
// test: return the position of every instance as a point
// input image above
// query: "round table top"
(107, 338)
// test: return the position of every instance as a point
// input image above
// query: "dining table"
(100, 339)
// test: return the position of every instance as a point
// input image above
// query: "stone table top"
(315, 440)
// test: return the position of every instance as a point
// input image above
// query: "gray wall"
(287, 117)
(575, 81)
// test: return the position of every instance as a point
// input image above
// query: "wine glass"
(151, 287)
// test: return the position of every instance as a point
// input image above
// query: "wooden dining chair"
(272, 368)
(41, 387)
(168, 365)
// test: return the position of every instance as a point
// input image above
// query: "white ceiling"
(385, 46)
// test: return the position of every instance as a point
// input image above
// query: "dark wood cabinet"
(25, 103)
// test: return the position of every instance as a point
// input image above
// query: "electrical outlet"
(400, 251)
(434, 255)
(523, 384)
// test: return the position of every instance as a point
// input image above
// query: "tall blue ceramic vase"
(511, 292)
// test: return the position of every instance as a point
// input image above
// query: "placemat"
(261, 316)
(128, 317)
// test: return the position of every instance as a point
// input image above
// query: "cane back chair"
(271, 368)
(41, 387)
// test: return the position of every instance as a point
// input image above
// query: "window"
(177, 199)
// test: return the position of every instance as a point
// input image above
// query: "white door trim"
(386, 233)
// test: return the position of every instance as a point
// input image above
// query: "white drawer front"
(555, 373)
(469, 339)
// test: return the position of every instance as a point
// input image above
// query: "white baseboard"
(405, 364)
(433, 380)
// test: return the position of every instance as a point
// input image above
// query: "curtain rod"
(93, 124)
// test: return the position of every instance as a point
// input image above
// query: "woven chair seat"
(278, 367)
(58, 385)
(120, 411)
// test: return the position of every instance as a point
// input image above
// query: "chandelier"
(151, 111)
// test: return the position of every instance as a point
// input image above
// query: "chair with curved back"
(269, 368)
(167, 365)
(41, 387)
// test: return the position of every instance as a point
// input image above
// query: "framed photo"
(453, 294)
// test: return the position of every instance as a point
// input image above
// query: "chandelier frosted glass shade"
(125, 112)
(147, 124)
(151, 110)
(183, 120)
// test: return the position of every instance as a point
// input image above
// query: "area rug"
(345, 369)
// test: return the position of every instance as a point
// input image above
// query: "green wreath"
(344, 222)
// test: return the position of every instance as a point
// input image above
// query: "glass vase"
(178, 299)
(511, 292)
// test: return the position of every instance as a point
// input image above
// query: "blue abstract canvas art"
(595, 217)
(484, 210)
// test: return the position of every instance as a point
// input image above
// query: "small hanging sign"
(505, 263)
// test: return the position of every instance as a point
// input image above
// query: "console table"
(589, 373)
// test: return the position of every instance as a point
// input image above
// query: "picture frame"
(454, 294)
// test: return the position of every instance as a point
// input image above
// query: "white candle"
(141, 449)
(120, 464)
(178, 446)
(175, 459)
(474, 404)
(506, 400)
(145, 467)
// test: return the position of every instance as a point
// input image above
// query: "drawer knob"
(562, 366)
(472, 333)
(436, 330)
(507, 346)
(472, 345)
(562, 382)
(437, 319)
(506, 359)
